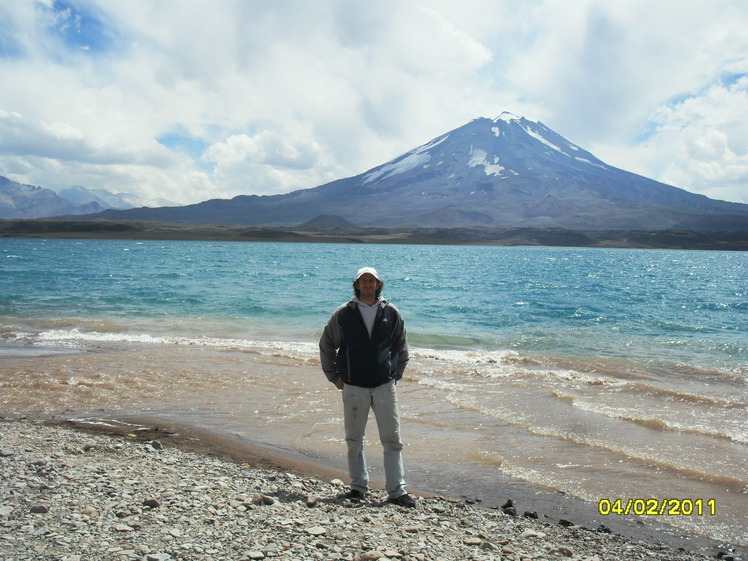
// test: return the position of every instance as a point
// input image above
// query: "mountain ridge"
(18, 200)
(507, 172)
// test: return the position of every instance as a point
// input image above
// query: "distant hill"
(507, 172)
(28, 201)
(81, 195)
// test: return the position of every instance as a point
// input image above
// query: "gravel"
(68, 495)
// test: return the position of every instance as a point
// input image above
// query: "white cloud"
(277, 96)
(700, 144)
(269, 162)
(57, 155)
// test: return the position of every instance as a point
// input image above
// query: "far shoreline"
(70, 228)
(174, 433)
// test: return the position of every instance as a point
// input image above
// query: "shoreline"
(485, 489)
(561, 509)
(70, 493)
(72, 228)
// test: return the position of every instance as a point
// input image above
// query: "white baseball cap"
(371, 270)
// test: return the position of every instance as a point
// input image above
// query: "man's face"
(367, 286)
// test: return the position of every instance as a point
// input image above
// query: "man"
(364, 351)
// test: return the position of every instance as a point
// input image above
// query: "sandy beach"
(74, 491)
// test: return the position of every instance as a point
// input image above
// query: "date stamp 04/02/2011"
(657, 507)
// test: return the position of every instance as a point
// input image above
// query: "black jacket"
(348, 353)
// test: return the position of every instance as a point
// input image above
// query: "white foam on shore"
(74, 337)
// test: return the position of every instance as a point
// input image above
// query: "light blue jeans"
(383, 401)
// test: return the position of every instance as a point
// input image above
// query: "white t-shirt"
(369, 313)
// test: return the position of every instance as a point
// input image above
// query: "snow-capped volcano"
(483, 151)
(499, 173)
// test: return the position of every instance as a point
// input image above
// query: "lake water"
(536, 373)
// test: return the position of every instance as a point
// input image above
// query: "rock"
(532, 534)
(258, 499)
(531, 514)
(316, 531)
(565, 551)
(151, 503)
(565, 523)
(6, 511)
(369, 556)
(90, 511)
(509, 508)
(312, 501)
(39, 509)
(255, 555)
(156, 445)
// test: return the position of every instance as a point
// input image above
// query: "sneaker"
(404, 500)
(354, 495)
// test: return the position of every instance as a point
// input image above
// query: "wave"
(660, 423)
(78, 336)
(620, 446)
(691, 397)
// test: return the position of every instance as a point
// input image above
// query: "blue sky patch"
(81, 28)
(731, 79)
(191, 146)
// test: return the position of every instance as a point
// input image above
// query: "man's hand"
(340, 384)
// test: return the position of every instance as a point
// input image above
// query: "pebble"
(71, 496)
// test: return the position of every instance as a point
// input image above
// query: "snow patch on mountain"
(413, 159)
(401, 166)
(479, 157)
(506, 116)
(586, 161)
(541, 138)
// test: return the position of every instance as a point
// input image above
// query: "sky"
(190, 100)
